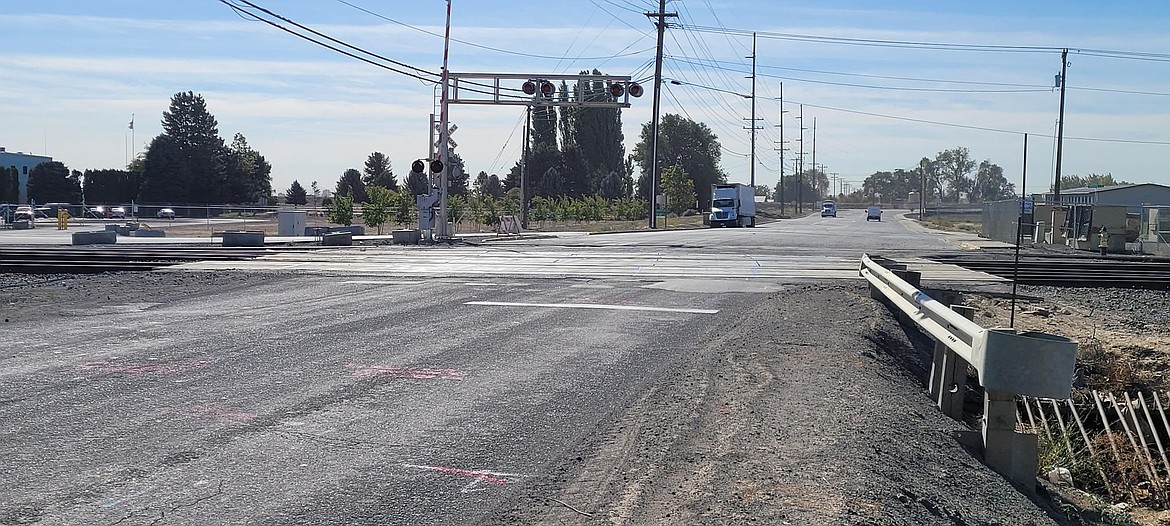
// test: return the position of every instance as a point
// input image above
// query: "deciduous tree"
(679, 189)
(686, 143)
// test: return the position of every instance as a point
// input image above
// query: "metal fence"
(1000, 220)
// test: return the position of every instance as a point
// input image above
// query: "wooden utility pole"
(752, 170)
(1060, 127)
(660, 21)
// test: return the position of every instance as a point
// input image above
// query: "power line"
(481, 46)
(327, 37)
(980, 128)
(875, 42)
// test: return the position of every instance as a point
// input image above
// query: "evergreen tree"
(457, 178)
(512, 180)
(196, 134)
(166, 176)
(52, 181)
(613, 186)
(249, 176)
(296, 194)
(9, 184)
(351, 184)
(110, 186)
(596, 131)
(418, 183)
(377, 172)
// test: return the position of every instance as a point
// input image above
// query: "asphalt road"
(310, 400)
(393, 385)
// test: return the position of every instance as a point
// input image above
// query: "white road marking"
(591, 306)
(379, 282)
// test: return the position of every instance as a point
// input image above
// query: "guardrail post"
(948, 374)
(1011, 454)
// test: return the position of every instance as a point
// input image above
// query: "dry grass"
(954, 223)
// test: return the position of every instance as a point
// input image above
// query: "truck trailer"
(732, 204)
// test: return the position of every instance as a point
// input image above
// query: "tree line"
(951, 176)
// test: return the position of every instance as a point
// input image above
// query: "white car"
(165, 213)
(118, 212)
(873, 213)
(24, 213)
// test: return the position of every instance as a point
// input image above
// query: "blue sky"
(75, 71)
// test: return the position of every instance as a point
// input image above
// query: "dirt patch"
(778, 421)
(1124, 334)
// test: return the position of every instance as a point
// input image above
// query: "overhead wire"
(467, 43)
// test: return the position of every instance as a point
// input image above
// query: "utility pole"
(800, 165)
(660, 21)
(752, 170)
(524, 168)
(782, 148)
(816, 174)
(1060, 126)
(444, 133)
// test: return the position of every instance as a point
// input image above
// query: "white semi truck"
(732, 204)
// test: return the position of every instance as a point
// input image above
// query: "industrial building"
(1131, 196)
(1135, 216)
(24, 163)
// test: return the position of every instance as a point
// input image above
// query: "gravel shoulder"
(784, 418)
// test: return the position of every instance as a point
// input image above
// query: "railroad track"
(1072, 271)
(95, 259)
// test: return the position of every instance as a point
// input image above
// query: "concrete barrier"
(337, 239)
(405, 237)
(148, 233)
(243, 239)
(100, 237)
(23, 224)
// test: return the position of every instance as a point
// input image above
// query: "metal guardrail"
(1007, 363)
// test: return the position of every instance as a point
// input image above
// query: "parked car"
(829, 208)
(873, 213)
(165, 213)
(24, 213)
(118, 212)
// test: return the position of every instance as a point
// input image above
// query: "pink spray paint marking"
(491, 477)
(137, 368)
(384, 371)
(470, 474)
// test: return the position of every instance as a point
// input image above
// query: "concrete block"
(101, 237)
(243, 239)
(405, 237)
(337, 239)
(23, 224)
